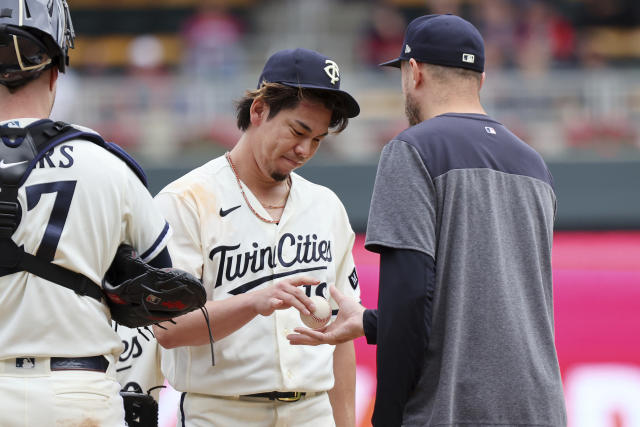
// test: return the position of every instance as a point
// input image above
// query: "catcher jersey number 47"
(76, 206)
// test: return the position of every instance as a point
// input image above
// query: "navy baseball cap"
(306, 68)
(442, 40)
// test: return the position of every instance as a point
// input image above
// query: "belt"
(282, 396)
(93, 363)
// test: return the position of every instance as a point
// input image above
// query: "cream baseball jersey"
(218, 238)
(78, 204)
(138, 367)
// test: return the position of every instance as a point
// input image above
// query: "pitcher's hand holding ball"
(346, 327)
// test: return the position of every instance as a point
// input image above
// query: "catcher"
(68, 200)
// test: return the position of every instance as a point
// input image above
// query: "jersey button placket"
(283, 317)
(277, 323)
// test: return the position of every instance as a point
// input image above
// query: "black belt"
(286, 396)
(93, 363)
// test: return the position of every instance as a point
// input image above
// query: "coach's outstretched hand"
(346, 327)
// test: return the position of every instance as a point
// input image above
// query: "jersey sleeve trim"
(158, 245)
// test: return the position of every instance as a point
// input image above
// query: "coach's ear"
(259, 111)
(416, 73)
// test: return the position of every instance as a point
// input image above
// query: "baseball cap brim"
(393, 63)
(353, 109)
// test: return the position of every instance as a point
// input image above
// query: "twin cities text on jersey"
(235, 262)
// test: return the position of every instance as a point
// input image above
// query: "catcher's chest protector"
(20, 150)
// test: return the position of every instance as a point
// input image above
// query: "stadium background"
(159, 77)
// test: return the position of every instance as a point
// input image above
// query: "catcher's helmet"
(34, 36)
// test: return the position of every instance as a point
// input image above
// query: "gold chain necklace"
(235, 173)
(284, 201)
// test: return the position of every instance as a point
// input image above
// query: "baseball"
(320, 316)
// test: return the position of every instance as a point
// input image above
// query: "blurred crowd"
(531, 35)
(217, 42)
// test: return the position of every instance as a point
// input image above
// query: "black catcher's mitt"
(140, 295)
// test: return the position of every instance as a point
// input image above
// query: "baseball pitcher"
(263, 239)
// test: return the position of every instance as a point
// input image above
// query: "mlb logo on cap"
(467, 57)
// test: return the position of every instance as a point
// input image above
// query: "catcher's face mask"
(34, 35)
(21, 51)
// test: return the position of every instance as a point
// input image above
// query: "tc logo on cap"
(467, 57)
(332, 71)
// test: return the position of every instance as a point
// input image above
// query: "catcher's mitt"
(140, 295)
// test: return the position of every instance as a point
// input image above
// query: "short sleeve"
(145, 228)
(403, 205)
(185, 246)
(346, 275)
